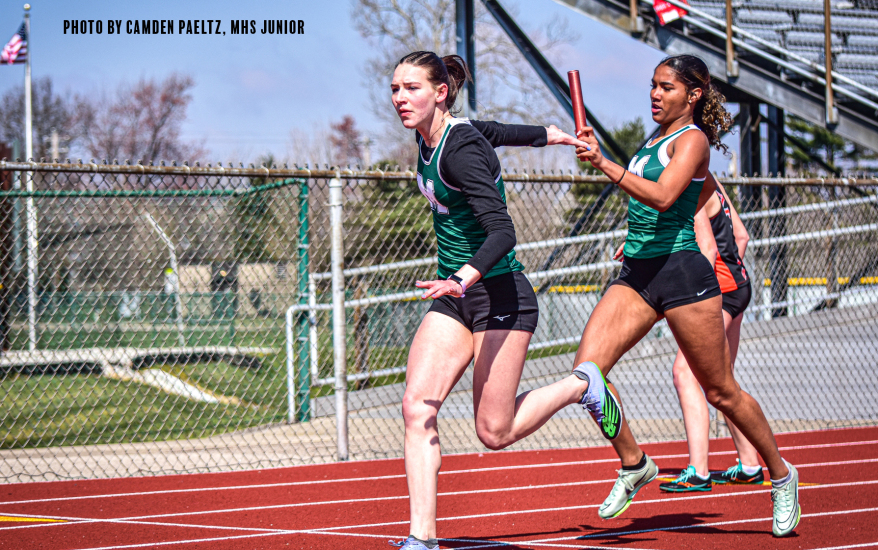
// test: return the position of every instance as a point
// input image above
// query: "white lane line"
(539, 542)
(325, 502)
(80, 521)
(864, 545)
(697, 526)
(665, 500)
(402, 476)
(401, 497)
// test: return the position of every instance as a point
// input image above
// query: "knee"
(418, 412)
(493, 435)
(724, 398)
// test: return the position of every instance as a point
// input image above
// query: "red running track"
(530, 499)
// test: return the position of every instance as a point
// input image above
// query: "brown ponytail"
(450, 70)
(710, 115)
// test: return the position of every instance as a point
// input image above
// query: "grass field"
(77, 409)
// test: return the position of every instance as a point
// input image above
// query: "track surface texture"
(524, 499)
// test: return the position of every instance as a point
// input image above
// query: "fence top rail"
(536, 176)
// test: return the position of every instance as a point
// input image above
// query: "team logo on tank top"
(637, 164)
(429, 191)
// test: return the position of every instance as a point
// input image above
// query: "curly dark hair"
(710, 115)
(450, 70)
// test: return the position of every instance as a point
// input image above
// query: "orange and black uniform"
(730, 272)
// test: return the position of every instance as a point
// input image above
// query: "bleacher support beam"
(777, 198)
(466, 48)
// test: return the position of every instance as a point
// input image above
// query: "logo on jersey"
(429, 191)
(637, 165)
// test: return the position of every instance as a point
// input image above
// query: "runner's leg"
(696, 417)
(698, 329)
(746, 452)
(440, 353)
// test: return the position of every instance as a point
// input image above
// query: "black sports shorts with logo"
(736, 301)
(671, 280)
(502, 302)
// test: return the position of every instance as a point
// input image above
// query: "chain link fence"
(174, 319)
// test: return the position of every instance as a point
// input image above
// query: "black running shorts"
(502, 302)
(736, 301)
(670, 281)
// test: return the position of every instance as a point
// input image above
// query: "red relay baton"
(576, 100)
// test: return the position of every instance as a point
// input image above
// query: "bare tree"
(50, 112)
(140, 122)
(347, 141)
(508, 88)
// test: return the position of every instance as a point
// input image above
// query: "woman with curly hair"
(665, 276)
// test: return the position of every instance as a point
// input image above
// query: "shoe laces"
(738, 467)
(624, 481)
(593, 405)
(780, 500)
(685, 475)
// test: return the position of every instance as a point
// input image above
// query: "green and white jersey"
(458, 233)
(652, 233)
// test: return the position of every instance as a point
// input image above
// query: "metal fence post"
(303, 367)
(338, 316)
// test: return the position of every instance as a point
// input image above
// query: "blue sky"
(252, 90)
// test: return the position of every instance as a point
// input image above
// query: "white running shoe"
(411, 543)
(629, 482)
(785, 501)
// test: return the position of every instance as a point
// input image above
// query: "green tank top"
(652, 233)
(458, 233)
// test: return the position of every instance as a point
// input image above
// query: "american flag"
(16, 50)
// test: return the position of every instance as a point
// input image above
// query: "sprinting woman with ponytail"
(664, 275)
(484, 309)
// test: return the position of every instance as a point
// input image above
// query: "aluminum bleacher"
(779, 45)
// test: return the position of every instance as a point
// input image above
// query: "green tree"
(261, 233)
(822, 143)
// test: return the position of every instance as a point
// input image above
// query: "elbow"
(662, 205)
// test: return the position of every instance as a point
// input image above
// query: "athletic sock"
(751, 470)
(429, 543)
(701, 477)
(785, 480)
(639, 466)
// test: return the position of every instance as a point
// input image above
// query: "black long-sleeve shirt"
(470, 164)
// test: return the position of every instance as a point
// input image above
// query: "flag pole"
(31, 213)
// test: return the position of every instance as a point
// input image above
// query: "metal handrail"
(816, 67)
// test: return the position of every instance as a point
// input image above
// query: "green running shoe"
(785, 501)
(599, 401)
(626, 486)
(736, 474)
(687, 481)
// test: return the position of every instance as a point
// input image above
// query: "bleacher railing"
(794, 62)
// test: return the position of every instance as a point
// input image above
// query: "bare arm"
(704, 237)
(690, 158)
(742, 237)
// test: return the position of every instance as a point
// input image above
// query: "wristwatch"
(458, 280)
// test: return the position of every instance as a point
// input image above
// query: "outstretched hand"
(555, 136)
(437, 288)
